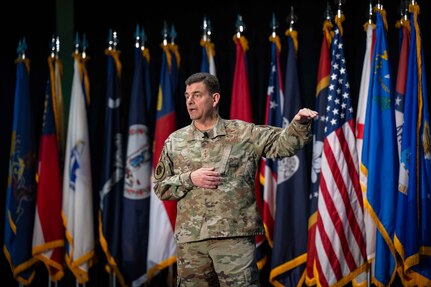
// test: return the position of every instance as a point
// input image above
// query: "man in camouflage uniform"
(209, 168)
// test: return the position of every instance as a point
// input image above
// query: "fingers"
(206, 177)
(212, 179)
(212, 182)
(308, 113)
(305, 115)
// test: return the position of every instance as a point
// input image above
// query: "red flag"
(240, 107)
(48, 234)
(161, 243)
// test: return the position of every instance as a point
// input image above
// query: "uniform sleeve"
(286, 142)
(168, 185)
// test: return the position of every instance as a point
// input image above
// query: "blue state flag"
(137, 179)
(380, 155)
(413, 221)
(289, 252)
(112, 176)
(21, 187)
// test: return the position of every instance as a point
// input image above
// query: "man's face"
(200, 104)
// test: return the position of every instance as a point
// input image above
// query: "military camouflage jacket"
(234, 148)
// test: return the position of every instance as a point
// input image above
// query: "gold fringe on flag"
(26, 62)
(146, 54)
(294, 35)
(55, 65)
(276, 40)
(383, 13)
(84, 75)
(243, 41)
(168, 55)
(405, 23)
(338, 20)
(368, 24)
(209, 47)
(327, 30)
(174, 49)
(116, 56)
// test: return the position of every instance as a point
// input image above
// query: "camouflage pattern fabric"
(220, 262)
(234, 149)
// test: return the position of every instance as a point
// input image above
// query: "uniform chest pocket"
(212, 154)
(242, 166)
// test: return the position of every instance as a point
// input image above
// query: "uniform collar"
(218, 130)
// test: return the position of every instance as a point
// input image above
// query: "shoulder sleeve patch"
(160, 170)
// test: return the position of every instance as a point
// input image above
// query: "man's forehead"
(195, 88)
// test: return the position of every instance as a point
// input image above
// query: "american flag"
(340, 234)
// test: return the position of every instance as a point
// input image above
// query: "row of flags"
(412, 238)
(396, 132)
(355, 204)
(41, 220)
(364, 217)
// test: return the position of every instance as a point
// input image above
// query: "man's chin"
(192, 117)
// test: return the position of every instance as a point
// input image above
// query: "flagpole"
(171, 276)
(370, 271)
(172, 35)
(371, 265)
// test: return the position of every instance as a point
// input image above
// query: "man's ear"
(216, 99)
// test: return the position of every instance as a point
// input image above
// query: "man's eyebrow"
(192, 93)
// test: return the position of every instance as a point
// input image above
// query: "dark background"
(38, 21)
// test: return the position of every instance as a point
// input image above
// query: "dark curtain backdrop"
(37, 22)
